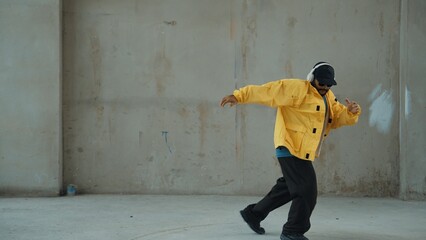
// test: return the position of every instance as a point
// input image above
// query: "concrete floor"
(142, 217)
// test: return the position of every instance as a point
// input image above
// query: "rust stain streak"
(289, 69)
(203, 112)
(232, 29)
(232, 25)
(162, 68)
(248, 38)
(95, 55)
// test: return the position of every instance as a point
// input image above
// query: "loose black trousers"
(299, 185)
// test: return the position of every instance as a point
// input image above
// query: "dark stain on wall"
(291, 22)
(381, 25)
(183, 112)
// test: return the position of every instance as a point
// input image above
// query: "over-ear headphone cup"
(310, 76)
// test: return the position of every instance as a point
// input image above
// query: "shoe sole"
(283, 237)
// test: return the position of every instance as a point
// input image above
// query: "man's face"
(322, 89)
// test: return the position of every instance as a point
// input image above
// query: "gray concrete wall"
(413, 110)
(143, 80)
(30, 101)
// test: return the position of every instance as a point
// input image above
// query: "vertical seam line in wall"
(402, 139)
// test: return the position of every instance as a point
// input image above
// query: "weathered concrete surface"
(413, 102)
(143, 80)
(200, 217)
(30, 97)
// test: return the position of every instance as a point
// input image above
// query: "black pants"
(299, 185)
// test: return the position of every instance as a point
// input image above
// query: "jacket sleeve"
(272, 94)
(342, 116)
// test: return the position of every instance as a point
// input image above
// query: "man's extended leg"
(253, 214)
(278, 196)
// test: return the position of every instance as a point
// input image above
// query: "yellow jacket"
(300, 113)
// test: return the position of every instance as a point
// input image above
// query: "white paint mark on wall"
(375, 93)
(407, 102)
(381, 109)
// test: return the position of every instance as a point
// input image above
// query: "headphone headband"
(310, 76)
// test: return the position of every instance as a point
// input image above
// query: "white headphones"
(310, 76)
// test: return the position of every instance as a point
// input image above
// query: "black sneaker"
(292, 236)
(250, 219)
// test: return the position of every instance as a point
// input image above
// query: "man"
(306, 112)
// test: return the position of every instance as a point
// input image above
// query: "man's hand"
(353, 107)
(231, 99)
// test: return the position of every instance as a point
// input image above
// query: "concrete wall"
(30, 101)
(413, 110)
(143, 80)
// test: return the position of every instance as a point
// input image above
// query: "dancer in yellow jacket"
(306, 112)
